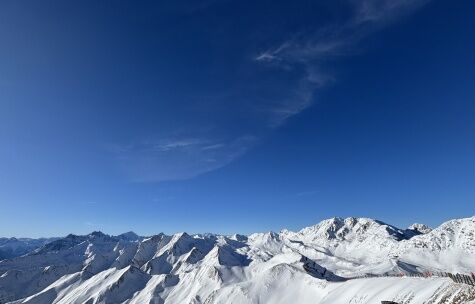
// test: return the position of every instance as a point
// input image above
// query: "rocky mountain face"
(285, 267)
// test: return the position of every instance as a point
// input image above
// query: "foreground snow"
(319, 264)
(368, 291)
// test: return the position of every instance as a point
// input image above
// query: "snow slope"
(323, 263)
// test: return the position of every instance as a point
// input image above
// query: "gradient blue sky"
(234, 116)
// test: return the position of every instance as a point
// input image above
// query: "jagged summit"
(338, 228)
(458, 234)
(420, 228)
(98, 234)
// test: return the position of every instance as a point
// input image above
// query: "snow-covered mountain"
(318, 264)
(13, 247)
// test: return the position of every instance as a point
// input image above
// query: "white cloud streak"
(312, 51)
(334, 40)
(179, 158)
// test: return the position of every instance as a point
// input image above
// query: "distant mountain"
(13, 247)
(307, 266)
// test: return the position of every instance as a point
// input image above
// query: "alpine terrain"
(352, 260)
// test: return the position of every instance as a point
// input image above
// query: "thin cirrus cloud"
(179, 158)
(336, 40)
(313, 51)
(305, 55)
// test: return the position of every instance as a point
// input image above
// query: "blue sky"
(234, 116)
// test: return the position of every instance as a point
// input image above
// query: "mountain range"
(351, 260)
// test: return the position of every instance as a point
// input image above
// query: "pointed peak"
(181, 236)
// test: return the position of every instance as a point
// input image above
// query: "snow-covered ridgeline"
(307, 265)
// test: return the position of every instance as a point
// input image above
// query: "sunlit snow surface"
(324, 263)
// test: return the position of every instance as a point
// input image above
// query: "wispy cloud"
(213, 146)
(179, 158)
(300, 99)
(383, 10)
(313, 51)
(176, 144)
(294, 70)
(336, 40)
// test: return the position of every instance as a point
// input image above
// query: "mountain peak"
(339, 229)
(98, 234)
(129, 236)
(420, 228)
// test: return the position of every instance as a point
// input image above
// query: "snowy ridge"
(13, 247)
(312, 265)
